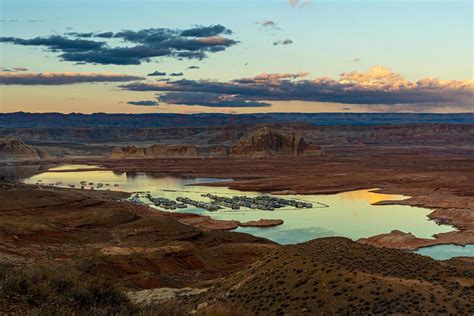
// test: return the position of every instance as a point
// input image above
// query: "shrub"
(59, 291)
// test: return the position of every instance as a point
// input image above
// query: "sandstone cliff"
(267, 142)
(155, 151)
(14, 149)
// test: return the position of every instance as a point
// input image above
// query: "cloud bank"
(283, 42)
(139, 46)
(157, 73)
(61, 78)
(208, 99)
(143, 103)
(377, 86)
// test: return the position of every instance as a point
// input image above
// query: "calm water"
(443, 252)
(348, 214)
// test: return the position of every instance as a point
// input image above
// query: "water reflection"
(444, 252)
(15, 173)
(348, 214)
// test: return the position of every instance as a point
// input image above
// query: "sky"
(192, 56)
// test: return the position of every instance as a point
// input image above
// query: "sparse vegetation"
(46, 291)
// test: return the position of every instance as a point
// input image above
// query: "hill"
(336, 276)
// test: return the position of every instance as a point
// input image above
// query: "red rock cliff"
(267, 142)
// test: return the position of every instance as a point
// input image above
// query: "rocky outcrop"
(262, 223)
(395, 239)
(407, 241)
(205, 223)
(14, 149)
(128, 152)
(154, 151)
(267, 142)
(159, 295)
(175, 151)
(313, 150)
(219, 152)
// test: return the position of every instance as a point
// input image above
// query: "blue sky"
(415, 39)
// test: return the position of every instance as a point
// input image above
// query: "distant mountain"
(33, 120)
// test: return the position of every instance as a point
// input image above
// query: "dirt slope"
(335, 276)
(96, 233)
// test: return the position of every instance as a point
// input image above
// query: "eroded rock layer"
(155, 151)
(14, 149)
(267, 142)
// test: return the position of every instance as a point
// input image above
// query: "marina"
(350, 214)
(216, 203)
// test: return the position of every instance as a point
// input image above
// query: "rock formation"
(155, 151)
(175, 151)
(395, 239)
(219, 152)
(267, 142)
(313, 150)
(14, 149)
(262, 223)
(128, 152)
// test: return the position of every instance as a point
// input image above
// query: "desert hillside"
(336, 276)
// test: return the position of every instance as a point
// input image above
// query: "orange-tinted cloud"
(377, 86)
(61, 78)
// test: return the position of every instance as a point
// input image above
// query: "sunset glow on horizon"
(236, 56)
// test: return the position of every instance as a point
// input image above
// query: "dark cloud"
(208, 99)
(176, 74)
(269, 24)
(378, 86)
(206, 31)
(166, 38)
(56, 43)
(85, 35)
(61, 78)
(157, 73)
(283, 42)
(196, 43)
(119, 56)
(190, 55)
(20, 69)
(105, 35)
(143, 103)
(14, 69)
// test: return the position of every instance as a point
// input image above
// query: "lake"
(444, 252)
(349, 214)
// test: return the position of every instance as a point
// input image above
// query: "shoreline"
(452, 210)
